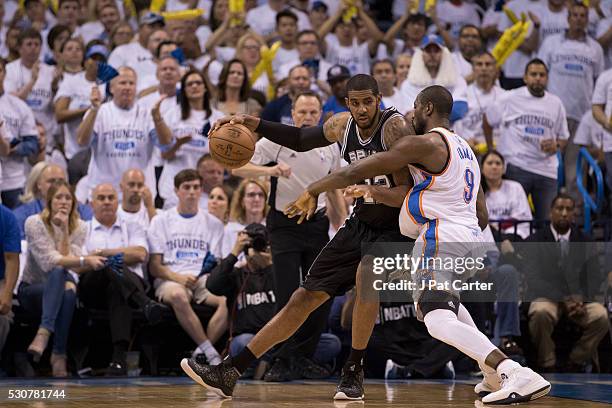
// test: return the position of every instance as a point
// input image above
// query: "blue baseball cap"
(316, 5)
(432, 39)
(97, 49)
(152, 18)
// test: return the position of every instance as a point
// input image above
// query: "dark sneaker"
(510, 348)
(311, 370)
(280, 371)
(351, 383)
(220, 379)
(116, 369)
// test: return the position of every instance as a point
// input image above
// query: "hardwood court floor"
(179, 392)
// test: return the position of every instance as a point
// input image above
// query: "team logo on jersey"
(124, 146)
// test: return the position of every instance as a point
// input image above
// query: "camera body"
(259, 238)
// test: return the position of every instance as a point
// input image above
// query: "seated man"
(180, 239)
(137, 200)
(555, 277)
(42, 176)
(115, 287)
(10, 247)
(250, 288)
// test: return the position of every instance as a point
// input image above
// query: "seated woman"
(55, 240)
(233, 92)
(506, 200)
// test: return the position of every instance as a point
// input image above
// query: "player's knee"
(307, 299)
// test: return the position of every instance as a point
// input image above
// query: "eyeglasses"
(194, 83)
(251, 47)
(253, 195)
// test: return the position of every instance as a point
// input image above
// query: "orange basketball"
(232, 145)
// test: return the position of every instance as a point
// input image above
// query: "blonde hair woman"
(55, 238)
(249, 203)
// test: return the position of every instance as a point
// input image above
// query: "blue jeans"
(327, 349)
(542, 189)
(55, 302)
(506, 279)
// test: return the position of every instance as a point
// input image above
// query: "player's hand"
(548, 146)
(304, 206)
(359, 190)
(250, 122)
(280, 170)
(95, 97)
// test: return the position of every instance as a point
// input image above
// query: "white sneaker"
(489, 384)
(521, 384)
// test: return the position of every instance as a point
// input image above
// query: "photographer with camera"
(249, 289)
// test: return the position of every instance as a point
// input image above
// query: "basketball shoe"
(490, 383)
(521, 384)
(351, 383)
(220, 379)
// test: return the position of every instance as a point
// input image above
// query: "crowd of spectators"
(111, 200)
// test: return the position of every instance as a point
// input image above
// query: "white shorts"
(163, 289)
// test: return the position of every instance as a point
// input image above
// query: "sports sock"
(445, 326)
(356, 356)
(243, 360)
(210, 352)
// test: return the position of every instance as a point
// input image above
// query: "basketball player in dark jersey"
(363, 131)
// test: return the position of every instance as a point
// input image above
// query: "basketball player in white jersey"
(445, 206)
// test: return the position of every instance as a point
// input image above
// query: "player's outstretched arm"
(407, 150)
(298, 139)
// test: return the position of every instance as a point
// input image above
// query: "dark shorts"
(335, 268)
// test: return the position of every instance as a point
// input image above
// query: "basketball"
(232, 145)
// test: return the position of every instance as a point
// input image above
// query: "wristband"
(82, 260)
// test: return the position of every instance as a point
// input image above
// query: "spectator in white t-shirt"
(602, 100)
(480, 94)
(533, 130)
(219, 201)
(383, 72)
(262, 19)
(470, 44)
(20, 140)
(189, 122)
(286, 27)
(413, 27)
(402, 67)
(575, 60)
(180, 240)
(136, 54)
(121, 132)
(100, 29)
(30, 80)
(455, 14)
(122, 34)
(71, 102)
(343, 48)
(506, 200)
(433, 65)
(598, 141)
(137, 201)
(553, 17)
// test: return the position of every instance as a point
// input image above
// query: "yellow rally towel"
(183, 14)
(265, 65)
(350, 13)
(236, 6)
(157, 5)
(511, 39)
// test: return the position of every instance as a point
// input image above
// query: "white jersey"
(122, 139)
(509, 203)
(470, 126)
(141, 217)
(355, 57)
(444, 201)
(40, 98)
(78, 89)
(573, 66)
(184, 241)
(197, 126)
(18, 121)
(591, 133)
(135, 56)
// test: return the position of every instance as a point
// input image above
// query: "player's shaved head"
(362, 82)
(439, 97)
